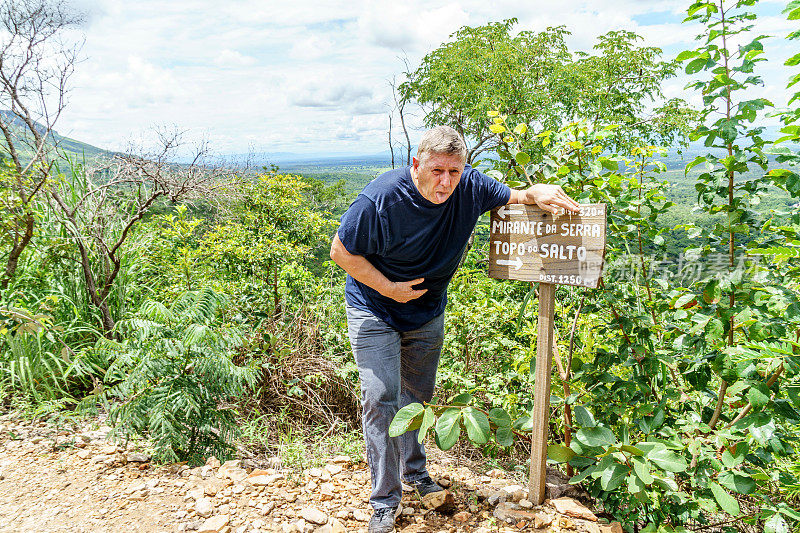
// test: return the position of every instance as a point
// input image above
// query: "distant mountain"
(291, 158)
(71, 147)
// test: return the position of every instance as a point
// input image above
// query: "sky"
(312, 76)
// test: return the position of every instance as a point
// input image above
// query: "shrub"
(174, 378)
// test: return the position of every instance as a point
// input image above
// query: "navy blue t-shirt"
(406, 236)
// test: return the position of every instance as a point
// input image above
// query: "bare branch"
(102, 205)
(36, 64)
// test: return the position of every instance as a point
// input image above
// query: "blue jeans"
(396, 368)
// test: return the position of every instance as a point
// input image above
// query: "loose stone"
(313, 515)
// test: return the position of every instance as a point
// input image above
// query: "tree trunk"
(275, 293)
(16, 251)
(391, 146)
(94, 295)
(108, 320)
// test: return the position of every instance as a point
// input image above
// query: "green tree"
(37, 59)
(271, 225)
(535, 79)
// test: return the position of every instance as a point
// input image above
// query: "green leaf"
(609, 164)
(583, 474)
(667, 460)
(560, 453)
(712, 293)
(405, 418)
(794, 14)
(787, 511)
(794, 394)
(715, 329)
(642, 470)
(666, 483)
(726, 502)
(428, 420)
(523, 423)
(613, 476)
(697, 6)
(520, 129)
(633, 450)
(737, 482)
(448, 428)
(497, 128)
(461, 399)
(696, 65)
(758, 395)
(776, 524)
(729, 460)
(522, 158)
(504, 436)
(650, 423)
(686, 54)
(583, 417)
(500, 417)
(683, 300)
(477, 425)
(496, 174)
(635, 486)
(595, 437)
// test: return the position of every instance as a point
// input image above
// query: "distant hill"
(292, 159)
(72, 148)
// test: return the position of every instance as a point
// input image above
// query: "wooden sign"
(531, 244)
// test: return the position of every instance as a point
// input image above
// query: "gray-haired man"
(400, 242)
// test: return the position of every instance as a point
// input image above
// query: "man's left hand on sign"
(548, 197)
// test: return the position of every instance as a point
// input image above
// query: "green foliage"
(274, 227)
(44, 352)
(676, 399)
(32, 362)
(535, 79)
(681, 371)
(448, 421)
(174, 378)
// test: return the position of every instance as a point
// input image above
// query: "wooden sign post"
(528, 243)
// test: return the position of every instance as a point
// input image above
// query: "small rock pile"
(78, 481)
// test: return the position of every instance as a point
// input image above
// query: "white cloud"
(330, 96)
(404, 26)
(312, 47)
(312, 75)
(231, 58)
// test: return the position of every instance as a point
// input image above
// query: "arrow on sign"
(516, 263)
(503, 211)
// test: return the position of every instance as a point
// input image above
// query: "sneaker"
(433, 495)
(382, 520)
(425, 486)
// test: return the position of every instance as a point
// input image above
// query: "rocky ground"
(78, 481)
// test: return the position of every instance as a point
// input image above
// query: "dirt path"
(79, 482)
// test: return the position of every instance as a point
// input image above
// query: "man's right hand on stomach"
(402, 291)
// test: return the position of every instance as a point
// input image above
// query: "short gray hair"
(442, 140)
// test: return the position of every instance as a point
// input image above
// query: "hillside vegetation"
(197, 307)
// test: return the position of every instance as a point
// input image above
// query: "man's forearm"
(364, 271)
(358, 267)
(548, 197)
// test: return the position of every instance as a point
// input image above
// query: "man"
(400, 242)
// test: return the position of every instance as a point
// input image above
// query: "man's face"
(437, 175)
